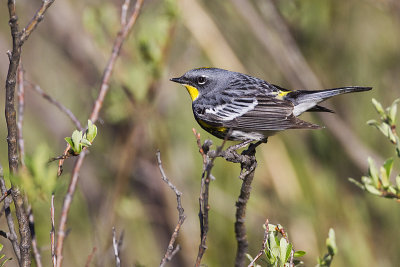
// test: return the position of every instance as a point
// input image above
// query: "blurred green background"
(301, 179)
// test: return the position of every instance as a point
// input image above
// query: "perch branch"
(208, 163)
(52, 233)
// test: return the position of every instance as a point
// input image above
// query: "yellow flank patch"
(193, 92)
(208, 126)
(282, 94)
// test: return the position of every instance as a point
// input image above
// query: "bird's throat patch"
(193, 92)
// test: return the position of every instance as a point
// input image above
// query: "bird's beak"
(177, 80)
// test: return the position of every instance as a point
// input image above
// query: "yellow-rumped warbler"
(250, 108)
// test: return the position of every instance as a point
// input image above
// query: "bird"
(239, 107)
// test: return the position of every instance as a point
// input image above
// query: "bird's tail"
(305, 100)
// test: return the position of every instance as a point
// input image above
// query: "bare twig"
(6, 194)
(56, 103)
(38, 17)
(90, 257)
(170, 250)
(208, 163)
(122, 34)
(10, 221)
(116, 248)
(21, 104)
(35, 249)
(52, 233)
(124, 11)
(263, 246)
(66, 206)
(18, 38)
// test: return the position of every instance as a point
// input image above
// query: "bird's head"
(202, 80)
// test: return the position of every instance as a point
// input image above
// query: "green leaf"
(283, 244)
(373, 190)
(398, 181)
(388, 165)
(69, 141)
(288, 251)
(373, 172)
(331, 242)
(85, 142)
(393, 111)
(76, 139)
(373, 123)
(379, 108)
(91, 132)
(299, 254)
(357, 183)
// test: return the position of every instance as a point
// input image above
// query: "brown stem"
(171, 251)
(122, 34)
(60, 106)
(52, 233)
(21, 104)
(18, 38)
(10, 221)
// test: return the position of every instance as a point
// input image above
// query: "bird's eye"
(201, 80)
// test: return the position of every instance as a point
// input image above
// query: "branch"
(60, 106)
(93, 117)
(90, 257)
(35, 249)
(52, 233)
(21, 104)
(116, 246)
(170, 253)
(263, 246)
(38, 17)
(18, 38)
(208, 163)
(10, 221)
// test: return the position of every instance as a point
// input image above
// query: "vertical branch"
(208, 163)
(21, 104)
(18, 38)
(170, 250)
(116, 247)
(248, 164)
(35, 249)
(10, 221)
(122, 34)
(52, 233)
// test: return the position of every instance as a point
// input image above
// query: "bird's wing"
(261, 113)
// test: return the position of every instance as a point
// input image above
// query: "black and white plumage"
(252, 108)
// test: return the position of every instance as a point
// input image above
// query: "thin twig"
(56, 103)
(52, 233)
(124, 11)
(169, 254)
(116, 248)
(123, 33)
(38, 17)
(66, 206)
(6, 194)
(263, 246)
(35, 249)
(10, 221)
(90, 257)
(21, 104)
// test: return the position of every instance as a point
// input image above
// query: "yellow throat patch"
(193, 92)
(282, 94)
